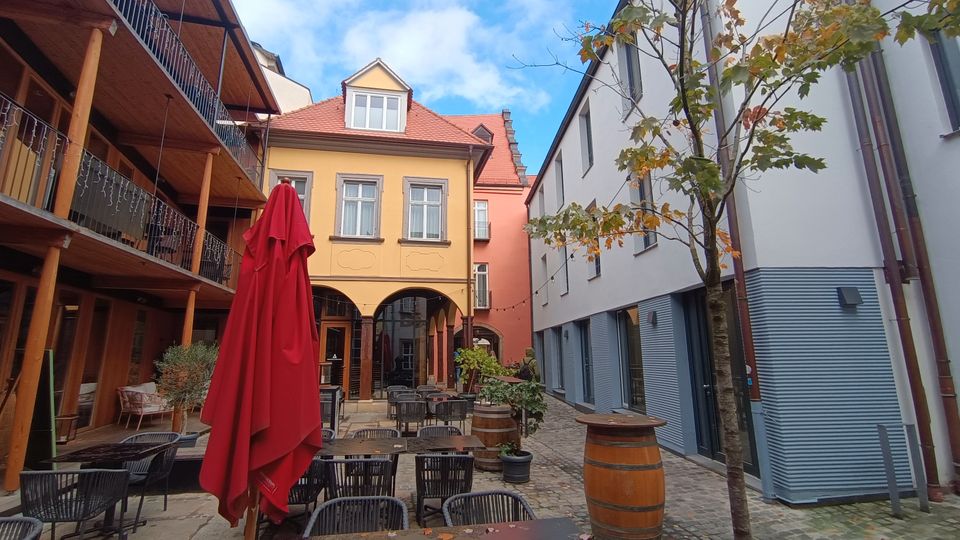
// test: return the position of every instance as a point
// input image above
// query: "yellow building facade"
(387, 188)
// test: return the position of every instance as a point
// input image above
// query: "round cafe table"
(623, 476)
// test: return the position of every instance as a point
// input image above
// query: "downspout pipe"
(931, 303)
(468, 319)
(891, 269)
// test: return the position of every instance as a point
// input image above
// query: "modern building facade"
(501, 320)
(627, 331)
(290, 94)
(387, 186)
(126, 179)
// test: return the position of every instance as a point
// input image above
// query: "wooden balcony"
(121, 235)
(154, 85)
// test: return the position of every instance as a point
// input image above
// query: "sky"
(460, 56)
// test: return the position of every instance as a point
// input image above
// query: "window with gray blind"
(641, 196)
(946, 58)
(628, 333)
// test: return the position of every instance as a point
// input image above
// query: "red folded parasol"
(264, 401)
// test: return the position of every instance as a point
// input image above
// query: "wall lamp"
(849, 296)
(652, 318)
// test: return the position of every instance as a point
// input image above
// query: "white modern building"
(627, 332)
(290, 94)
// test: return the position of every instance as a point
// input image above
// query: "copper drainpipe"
(468, 314)
(892, 274)
(948, 393)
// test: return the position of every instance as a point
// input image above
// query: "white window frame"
(296, 176)
(408, 304)
(347, 178)
(481, 227)
(545, 288)
(641, 194)
(558, 174)
(631, 76)
(593, 266)
(586, 137)
(429, 183)
(541, 201)
(349, 110)
(481, 295)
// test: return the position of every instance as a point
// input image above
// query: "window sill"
(586, 408)
(487, 239)
(591, 278)
(646, 249)
(356, 239)
(415, 242)
(952, 135)
(585, 171)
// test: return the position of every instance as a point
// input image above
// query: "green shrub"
(184, 374)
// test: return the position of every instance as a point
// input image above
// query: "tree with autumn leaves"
(739, 90)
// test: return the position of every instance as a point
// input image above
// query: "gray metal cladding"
(826, 381)
(606, 362)
(572, 374)
(660, 379)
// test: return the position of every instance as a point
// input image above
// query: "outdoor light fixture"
(849, 296)
(652, 318)
(566, 334)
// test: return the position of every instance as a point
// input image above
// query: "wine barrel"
(623, 476)
(493, 425)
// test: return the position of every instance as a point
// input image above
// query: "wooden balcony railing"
(149, 24)
(105, 201)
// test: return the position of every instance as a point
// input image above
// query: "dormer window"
(376, 111)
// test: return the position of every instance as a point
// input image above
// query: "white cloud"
(443, 49)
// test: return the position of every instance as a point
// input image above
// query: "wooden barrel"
(493, 425)
(623, 476)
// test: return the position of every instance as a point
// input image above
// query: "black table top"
(399, 445)
(112, 453)
(538, 529)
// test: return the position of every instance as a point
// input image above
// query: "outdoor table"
(399, 445)
(537, 529)
(112, 456)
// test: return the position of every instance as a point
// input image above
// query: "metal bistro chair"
(361, 477)
(392, 392)
(497, 506)
(410, 412)
(453, 410)
(152, 470)
(441, 431)
(20, 528)
(72, 496)
(350, 515)
(440, 476)
(328, 434)
(306, 491)
(379, 433)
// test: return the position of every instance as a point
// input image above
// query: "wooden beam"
(176, 17)
(225, 202)
(246, 108)
(18, 235)
(20, 10)
(134, 139)
(145, 284)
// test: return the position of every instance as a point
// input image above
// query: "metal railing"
(111, 205)
(31, 153)
(150, 24)
(219, 262)
(481, 230)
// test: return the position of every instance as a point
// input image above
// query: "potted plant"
(476, 364)
(184, 376)
(528, 405)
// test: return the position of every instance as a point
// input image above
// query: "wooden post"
(79, 121)
(30, 370)
(366, 357)
(203, 205)
(250, 522)
(451, 367)
(43, 305)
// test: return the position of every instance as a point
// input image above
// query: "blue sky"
(458, 55)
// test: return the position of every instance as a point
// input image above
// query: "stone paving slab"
(696, 504)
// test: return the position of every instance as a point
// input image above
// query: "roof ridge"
(454, 126)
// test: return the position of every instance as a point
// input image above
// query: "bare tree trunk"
(179, 421)
(728, 406)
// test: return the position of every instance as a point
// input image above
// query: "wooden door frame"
(347, 325)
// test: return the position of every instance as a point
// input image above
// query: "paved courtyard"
(696, 497)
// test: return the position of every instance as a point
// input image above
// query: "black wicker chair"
(440, 476)
(454, 410)
(20, 528)
(380, 433)
(350, 515)
(497, 506)
(361, 477)
(392, 392)
(306, 491)
(152, 470)
(439, 431)
(410, 412)
(72, 496)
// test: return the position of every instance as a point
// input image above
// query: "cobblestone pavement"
(696, 504)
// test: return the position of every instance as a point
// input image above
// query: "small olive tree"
(184, 377)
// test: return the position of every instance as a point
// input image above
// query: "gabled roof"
(377, 62)
(327, 118)
(502, 168)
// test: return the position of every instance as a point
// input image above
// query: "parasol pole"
(250, 523)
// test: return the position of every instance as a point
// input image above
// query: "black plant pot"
(516, 469)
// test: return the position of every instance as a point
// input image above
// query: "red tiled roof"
(327, 118)
(500, 168)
